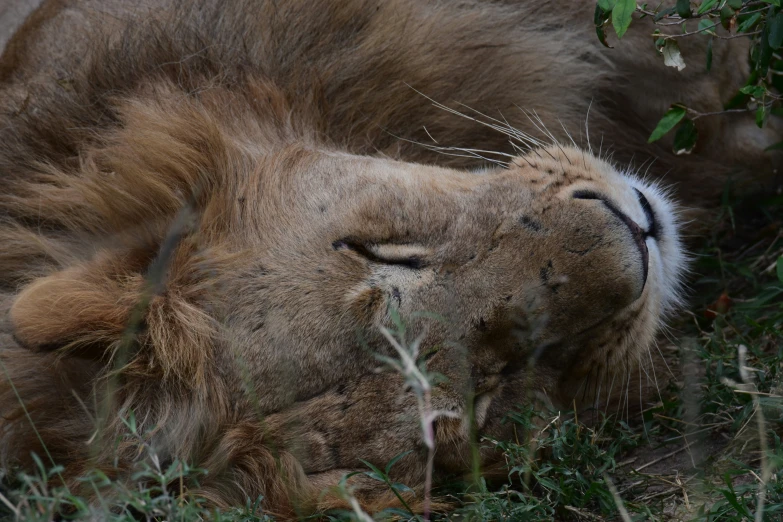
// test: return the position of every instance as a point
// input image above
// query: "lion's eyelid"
(408, 255)
(399, 252)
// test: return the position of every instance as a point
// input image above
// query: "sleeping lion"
(210, 212)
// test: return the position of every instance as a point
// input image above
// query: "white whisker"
(628, 394)
(428, 134)
(664, 361)
(655, 376)
(568, 134)
(641, 402)
(609, 395)
(587, 128)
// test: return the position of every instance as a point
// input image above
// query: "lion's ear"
(88, 305)
(88, 308)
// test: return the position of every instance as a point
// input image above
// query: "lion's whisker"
(587, 386)
(509, 131)
(428, 134)
(655, 375)
(580, 388)
(641, 402)
(519, 148)
(478, 156)
(597, 397)
(526, 136)
(628, 394)
(549, 133)
(523, 155)
(609, 393)
(554, 140)
(600, 147)
(543, 128)
(568, 134)
(587, 127)
(655, 343)
(509, 128)
(470, 152)
(481, 150)
(619, 405)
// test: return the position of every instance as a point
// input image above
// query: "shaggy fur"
(207, 212)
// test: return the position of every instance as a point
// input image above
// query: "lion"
(212, 216)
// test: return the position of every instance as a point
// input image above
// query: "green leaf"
(666, 12)
(394, 461)
(685, 138)
(376, 473)
(173, 470)
(622, 15)
(600, 16)
(735, 4)
(706, 6)
(732, 498)
(757, 91)
(684, 8)
(400, 514)
(707, 26)
(776, 31)
(371, 466)
(130, 422)
(765, 53)
(667, 123)
(599, 31)
(748, 24)
(402, 488)
(373, 475)
(779, 269)
(761, 115)
(607, 5)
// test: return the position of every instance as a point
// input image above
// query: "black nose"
(652, 230)
(639, 235)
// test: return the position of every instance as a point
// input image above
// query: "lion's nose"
(638, 233)
(652, 229)
(639, 237)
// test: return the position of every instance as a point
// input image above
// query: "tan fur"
(208, 212)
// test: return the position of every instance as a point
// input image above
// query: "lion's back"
(364, 74)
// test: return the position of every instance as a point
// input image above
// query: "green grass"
(704, 453)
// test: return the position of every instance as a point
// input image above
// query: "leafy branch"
(760, 21)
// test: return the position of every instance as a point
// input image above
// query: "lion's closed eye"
(407, 255)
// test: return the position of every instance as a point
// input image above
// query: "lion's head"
(303, 252)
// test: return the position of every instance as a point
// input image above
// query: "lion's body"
(218, 200)
(350, 59)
